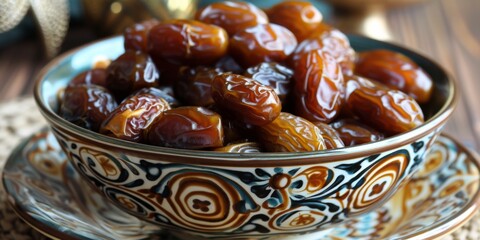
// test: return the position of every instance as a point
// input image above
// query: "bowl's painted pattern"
(220, 200)
(45, 190)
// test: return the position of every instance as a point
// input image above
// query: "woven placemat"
(20, 118)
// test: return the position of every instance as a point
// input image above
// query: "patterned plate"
(44, 190)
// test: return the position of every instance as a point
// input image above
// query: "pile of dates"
(242, 79)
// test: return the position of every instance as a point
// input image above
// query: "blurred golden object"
(111, 17)
(52, 17)
(364, 4)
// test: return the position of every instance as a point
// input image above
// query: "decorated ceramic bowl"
(211, 194)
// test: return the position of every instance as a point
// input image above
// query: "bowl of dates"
(245, 122)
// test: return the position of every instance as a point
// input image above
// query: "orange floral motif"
(303, 220)
(202, 205)
(377, 188)
(126, 202)
(107, 166)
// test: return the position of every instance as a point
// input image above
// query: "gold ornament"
(52, 17)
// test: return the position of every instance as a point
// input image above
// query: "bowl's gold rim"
(245, 159)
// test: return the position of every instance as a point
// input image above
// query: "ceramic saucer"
(45, 191)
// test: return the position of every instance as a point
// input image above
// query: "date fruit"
(289, 133)
(96, 76)
(87, 105)
(187, 42)
(246, 147)
(354, 133)
(273, 75)
(187, 127)
(161, 93)
(245, 99)
(262, 43)
(396, 71)
(332, 41)
(232, 16)
(319, 87)
(330, 136)
(136, 36)
(302, 18)
(135, 114)
(130, 72)
(194, 85)
(389, 111)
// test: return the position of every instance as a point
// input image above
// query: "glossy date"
(354, 133)
(319, 87)
(135, 114)
(187, 42)
(273, 75)
(187, 127)
(289, 133)
(245, 99)
(87, 105)
(396, 71)
(233, 16)
(262, 43)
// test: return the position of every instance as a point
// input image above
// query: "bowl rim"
(203, 157)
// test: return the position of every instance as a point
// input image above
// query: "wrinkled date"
(187, 42)
(194, 85)
(187, 127)
(389, 111)
(396, 71)
(87, 106)
(319, 87)
(96, 76)
(329, 40)
(245, 99)
(289, 133)
(130, 72)
(273, 75)
(136, 36)
(161, 93)
(129, 120)
(302, 18)
(262, 43)
(232, 16)
(354, 133)
(246, 147)
(330, 136)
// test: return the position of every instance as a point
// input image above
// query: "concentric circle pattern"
(218, 200)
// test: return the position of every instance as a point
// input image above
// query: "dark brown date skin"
(319, 87)
(246, 147)
(354, 133)
(396, 71)
(331, 40)
(289, 133)
(228, 64)
(87, 105)
(262, 43)
(245, 99)
(130, 72)
(232, 16)
(330, 136)
(187, 42)
(302, 18)
(135, 114)
(172, 101)
(273, 75)
(96, 76)
(187, 127)
(136, 36)
(389, 111)
(194, 85)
